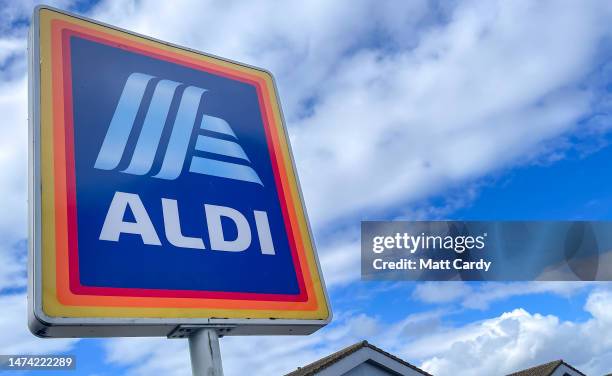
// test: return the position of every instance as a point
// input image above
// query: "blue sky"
(459, 110)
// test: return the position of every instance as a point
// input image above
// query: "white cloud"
(148, 356)
(340, 260)
(11, 46)
(430, 107)
(482, 295)
(518, 339)
(16, 338)
(498, 345)
(13, 160)
(13, 182)
(19, 11)
(475, 95)
(13, 267)
(441, 292)
(303, 42)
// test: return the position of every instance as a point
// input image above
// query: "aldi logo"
(124, 118)
(168, 189)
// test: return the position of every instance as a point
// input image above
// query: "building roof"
(321, 364)
(544, 369)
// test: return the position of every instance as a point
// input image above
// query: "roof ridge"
(545, 369)
(571, 367)
(317, 365)
(312, 368)
(538, 367)
(396, 358)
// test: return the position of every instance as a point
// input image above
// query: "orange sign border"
(57, 299)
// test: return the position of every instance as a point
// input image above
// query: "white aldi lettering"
(115, 225)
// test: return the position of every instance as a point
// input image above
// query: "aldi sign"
(163, 192)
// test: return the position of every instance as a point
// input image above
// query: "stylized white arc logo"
(122, 124)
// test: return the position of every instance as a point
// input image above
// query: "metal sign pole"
(205, 354)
